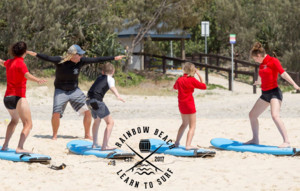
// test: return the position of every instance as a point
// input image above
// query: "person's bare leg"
(95, 129)
(191, 132)
(25, 115)
(183, 126)
(109, 125)
(10, 127)
(259, 107)
(55, 124)
(275, 112)
(87, 120)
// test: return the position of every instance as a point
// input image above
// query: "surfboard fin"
(24, 155)
(296, 153)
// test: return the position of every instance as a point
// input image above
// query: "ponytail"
(257, 49)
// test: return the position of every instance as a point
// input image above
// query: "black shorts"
(270, 94)
(11, 102)
(98, 108)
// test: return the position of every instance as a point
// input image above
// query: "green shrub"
(286, 88)
(129, 79)
(214, 86)
(50, 72)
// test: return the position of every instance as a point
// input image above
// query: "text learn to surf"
(139, 130)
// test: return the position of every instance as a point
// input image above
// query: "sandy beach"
(220, 113)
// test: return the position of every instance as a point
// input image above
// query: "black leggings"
(11, 102)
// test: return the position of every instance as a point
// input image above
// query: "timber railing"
(252, 69)
(203, 65)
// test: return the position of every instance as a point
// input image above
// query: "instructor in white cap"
(66, 85)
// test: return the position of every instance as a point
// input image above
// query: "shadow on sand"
(58, 136)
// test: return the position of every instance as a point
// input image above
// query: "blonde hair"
(257, 49)
(108, 68)
(69, 54)
(189, 69)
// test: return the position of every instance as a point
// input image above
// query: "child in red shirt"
(185, 86)
(15, 95)
(269, 69)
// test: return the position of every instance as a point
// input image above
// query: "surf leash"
(62, 166)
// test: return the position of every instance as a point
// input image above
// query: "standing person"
(99, 110)
(66, 85)
(185, 86)
(15, 96)
(271, 94)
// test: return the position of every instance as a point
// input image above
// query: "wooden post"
(298, 81)
(206, 75)
(256, 71)
(182, 49)
(254, 79)
(218, 63)
(146, 63)
(164, 65)
(229, 80)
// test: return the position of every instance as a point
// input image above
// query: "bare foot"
(4, 148)
(88, 137)
(23, 151)
(191, 147)
(284, 145)
(108, 148)
(54, 137)
(96, 146)
(176, 144)
(251, 142)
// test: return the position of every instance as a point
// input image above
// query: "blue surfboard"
(11, 155)
(232, 145)
(150, 145)
(82, 147)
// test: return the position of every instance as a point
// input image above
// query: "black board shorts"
(98, 108)
(270, 94)
(11, 102)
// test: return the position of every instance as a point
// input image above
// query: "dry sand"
(220, 113)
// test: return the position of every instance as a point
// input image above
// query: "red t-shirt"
(15, 77)
(268, 72)
(185, 86)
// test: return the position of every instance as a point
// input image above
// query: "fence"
(206, 66)
(217, 66)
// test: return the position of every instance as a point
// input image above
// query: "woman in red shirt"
(15, 95)
(269, 69)
(185, 86)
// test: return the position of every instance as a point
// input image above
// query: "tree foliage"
(271, 22)
(159, 15)
(51, 26)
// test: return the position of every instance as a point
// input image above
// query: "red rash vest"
(185, 86)
(15, 77)
(268, 72)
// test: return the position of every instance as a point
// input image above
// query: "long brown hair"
(257, 49)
